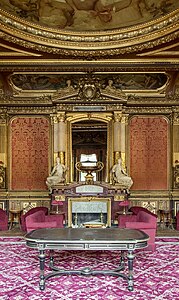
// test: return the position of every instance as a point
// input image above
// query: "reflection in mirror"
(88, 160)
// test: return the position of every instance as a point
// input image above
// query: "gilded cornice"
(74, 108)
(102, 65)
(89, 44)
(148, 110)
(8, 101)
(30, 110)
(169, 100)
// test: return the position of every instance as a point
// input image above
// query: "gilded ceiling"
(55, 50)
(89, 15)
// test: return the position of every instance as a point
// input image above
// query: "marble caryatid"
(57, 175)
(120, 176)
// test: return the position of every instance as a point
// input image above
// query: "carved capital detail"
(176, 118)
(117, 116)
(61, 117)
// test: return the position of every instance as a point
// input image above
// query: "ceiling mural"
(123, 81)
(89, 15)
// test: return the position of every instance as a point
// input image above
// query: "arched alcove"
(89, 137)
(89, 134)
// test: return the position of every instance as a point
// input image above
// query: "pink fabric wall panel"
(29, 153)
(149, 153)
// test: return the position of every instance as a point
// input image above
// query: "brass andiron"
(101, 217)
(76, 220)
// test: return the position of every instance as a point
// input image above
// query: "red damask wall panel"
(29, 153)
(149, 153)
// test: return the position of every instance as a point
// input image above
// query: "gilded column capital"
(117, 116)
(176, 118)
(61, 117)
(125, 119)
(3, 118)
(54, 119)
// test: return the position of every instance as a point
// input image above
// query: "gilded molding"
(115, 50)
(169, 100)
(125, 119)
(29, 110)
(3, 117)
(89, 44)
(61, 117)
(169, 20)
(54, 119)
(117, 117)
(176, 118)
(148, 110)
(90, 66)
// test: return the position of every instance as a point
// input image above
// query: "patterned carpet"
(156, 275)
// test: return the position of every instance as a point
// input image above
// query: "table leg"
(42, 267)
(130, 257)
(51, 258)
(122, 258)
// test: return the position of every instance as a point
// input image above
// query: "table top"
(92, 236)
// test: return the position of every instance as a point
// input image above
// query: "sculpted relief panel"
(89, 14)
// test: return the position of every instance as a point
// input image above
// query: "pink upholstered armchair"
(40, 220)
(3, 220)
(31, 211)
(177, 221)
(144, 220)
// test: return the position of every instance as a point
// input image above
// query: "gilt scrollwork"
(96, 44)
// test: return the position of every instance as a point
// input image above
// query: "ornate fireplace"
(89, 210)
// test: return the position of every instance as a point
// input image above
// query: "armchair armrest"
(122, 219)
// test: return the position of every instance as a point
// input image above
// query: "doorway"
(89, 138)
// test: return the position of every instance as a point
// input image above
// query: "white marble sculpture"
(120, 176)
(57, 175)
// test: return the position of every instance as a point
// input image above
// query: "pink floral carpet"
(156, 274)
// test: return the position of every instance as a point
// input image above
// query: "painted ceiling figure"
(55, 13)
(89, 14)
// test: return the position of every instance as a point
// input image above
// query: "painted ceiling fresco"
(89, 15)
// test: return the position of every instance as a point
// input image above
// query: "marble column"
(124, 121)
(117, 136)
(62, 137)
(54, 123)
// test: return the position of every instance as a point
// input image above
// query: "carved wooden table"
(87, 239)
